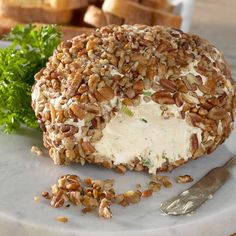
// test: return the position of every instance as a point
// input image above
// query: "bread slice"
(55, 4)
(129, 11)
(96, 17)
(158, 4)
(6, 24)
(137, 13)
(30, 14)
(68, 32)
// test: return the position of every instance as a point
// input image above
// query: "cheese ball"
(134, 97)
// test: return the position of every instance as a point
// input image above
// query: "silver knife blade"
(192, 198)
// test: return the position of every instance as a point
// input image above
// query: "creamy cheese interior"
(148, 136)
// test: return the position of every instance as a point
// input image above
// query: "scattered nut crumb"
(86, 210)
(46, 195)
(88, 181)
(147, 193)
(104, 209)
(133, 196)
(62, 219)
(184, 179)
(37, 199)
(165, 181)
(154, 186)
(36, 150)
(98, 194)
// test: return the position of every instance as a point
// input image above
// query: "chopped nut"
(62, 219)
(147, 193)
(36, 150)
(133, 196)
(88, 181)
(119, 198)
(121, 169)
(184, 179)
(87, 210)
(104, 209)
(46, 195)
(37, 199)
(166, 182)
(154, 186)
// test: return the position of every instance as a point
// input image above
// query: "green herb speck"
(147, 93)
(144, 120)
(146, 162)
(127, 111)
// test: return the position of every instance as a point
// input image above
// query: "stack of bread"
(79, 16)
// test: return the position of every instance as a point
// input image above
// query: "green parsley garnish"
(147, 93)
(127, 111)
(30, 49)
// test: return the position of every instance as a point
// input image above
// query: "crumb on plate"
(184, 179)
(36, 150)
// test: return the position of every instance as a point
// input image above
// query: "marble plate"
(24, 175)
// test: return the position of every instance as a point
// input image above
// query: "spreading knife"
(192, 198)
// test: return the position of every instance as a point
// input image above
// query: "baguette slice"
(96, 17)
(137, 13)
(68, 32)
(30, 14)
(55, 4)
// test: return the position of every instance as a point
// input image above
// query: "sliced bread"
(55, 4)
(30, 14)
(97, 17)
(137, 13)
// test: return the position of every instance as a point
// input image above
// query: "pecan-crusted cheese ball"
(134, 97)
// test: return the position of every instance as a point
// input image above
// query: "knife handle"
(213, 180)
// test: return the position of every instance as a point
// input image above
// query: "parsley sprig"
(30, 49)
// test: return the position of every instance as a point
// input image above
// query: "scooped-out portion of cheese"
(148, 134)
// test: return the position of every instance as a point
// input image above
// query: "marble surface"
(24, 175)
